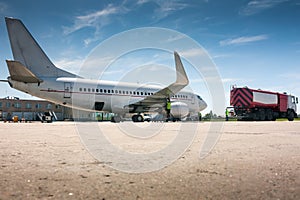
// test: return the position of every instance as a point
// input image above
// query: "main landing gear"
(137, 118)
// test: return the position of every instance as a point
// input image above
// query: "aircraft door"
(193, 99)
(67, 90)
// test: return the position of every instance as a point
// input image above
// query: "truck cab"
(292, 105)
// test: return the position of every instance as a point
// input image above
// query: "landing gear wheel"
(137, 118)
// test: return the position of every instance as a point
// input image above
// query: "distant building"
(29, 109)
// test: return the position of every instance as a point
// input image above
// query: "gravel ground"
(252, 160)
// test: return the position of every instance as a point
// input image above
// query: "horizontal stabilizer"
(19, 72)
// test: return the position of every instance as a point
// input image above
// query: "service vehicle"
(260, 105)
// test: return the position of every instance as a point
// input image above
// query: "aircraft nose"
(202, 105)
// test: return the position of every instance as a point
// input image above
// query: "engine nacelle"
(179, 110)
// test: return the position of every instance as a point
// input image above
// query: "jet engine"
(179, 110)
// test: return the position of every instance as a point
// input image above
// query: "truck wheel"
(291, 116)
(269, 115)
(262, 115)
(256, 116)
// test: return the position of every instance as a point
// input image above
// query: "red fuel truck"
(259, 105)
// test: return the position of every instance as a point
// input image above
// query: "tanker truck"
(259, 105)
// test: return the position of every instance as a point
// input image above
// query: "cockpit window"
(199, 97)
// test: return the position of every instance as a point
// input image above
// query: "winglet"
(180, 72)
(160, 97)
(181, 81)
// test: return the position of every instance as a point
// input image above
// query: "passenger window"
(101, 90)
(108, 91)
(97, 90)
(138, 93)
(104, 90)
(84, 89)
(80, 89)
(89, 89)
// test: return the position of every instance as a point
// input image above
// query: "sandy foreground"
(251, 160)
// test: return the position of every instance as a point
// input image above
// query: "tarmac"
(251, 160)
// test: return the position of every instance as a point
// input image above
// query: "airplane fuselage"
(106, 96)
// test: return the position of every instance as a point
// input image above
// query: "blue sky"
(254, 43)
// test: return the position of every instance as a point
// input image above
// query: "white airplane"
(32, 72)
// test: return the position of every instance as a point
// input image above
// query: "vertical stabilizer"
(27, 51)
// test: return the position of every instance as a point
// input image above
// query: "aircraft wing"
(159, 99)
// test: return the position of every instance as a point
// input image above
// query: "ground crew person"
(200, 116)
(226, 113)
(168, 108)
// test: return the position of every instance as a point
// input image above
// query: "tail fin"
(27, 51)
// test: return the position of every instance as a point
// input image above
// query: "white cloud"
(72, 65)
(141, 2)
(114, 72)
(175, 38)
(165, 8)
(221, 56)
(3, 7)
(193, 53)
(90, 18)
(230, 80)
(96, 19)
(243, 40)
(112, 12)
(291, 76)
(256, 6)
